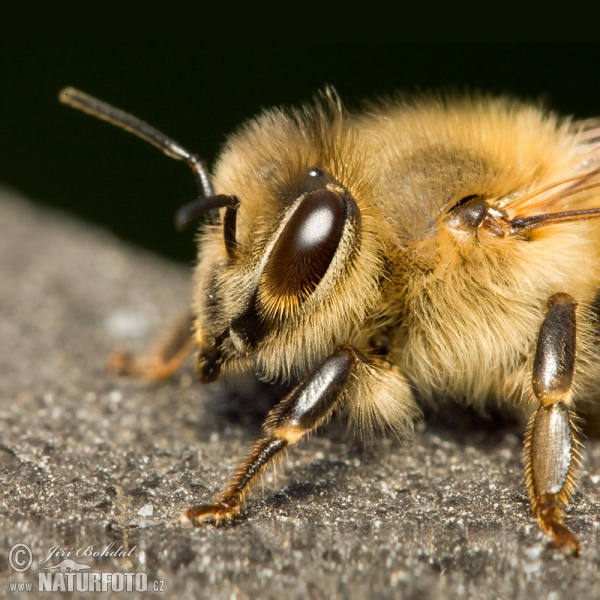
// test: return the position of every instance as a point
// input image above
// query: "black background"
(197, 94)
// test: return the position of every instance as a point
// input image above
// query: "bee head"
(299, 273)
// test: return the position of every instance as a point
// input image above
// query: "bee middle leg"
(307, 406)
(551, 446)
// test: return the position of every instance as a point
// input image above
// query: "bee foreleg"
(307, 406)
(165, 359)
(551, 454)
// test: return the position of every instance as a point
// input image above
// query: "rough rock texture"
(89, 459)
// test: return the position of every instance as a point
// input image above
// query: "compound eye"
(305, 247)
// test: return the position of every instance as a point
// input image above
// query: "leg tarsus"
(550, 518)
(217, 512)
(164, 360)
(230, 503)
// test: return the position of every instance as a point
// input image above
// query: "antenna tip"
(66, 94)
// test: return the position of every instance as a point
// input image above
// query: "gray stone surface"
(90, 459)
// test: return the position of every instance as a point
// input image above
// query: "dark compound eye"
(306, 246)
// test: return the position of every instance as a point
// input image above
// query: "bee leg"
(551, 446)
(164, 360)
(307, 406)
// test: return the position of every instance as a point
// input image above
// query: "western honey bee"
(426, 247)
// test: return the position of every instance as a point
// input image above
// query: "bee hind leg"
(310, 404)
(162, 362)
(551, 445)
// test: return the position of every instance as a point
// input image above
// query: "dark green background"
(197, 94)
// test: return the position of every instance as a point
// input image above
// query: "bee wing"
(586, 129)
(572, 198)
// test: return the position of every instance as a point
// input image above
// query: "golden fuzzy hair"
(424, 248)
(463, 309)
